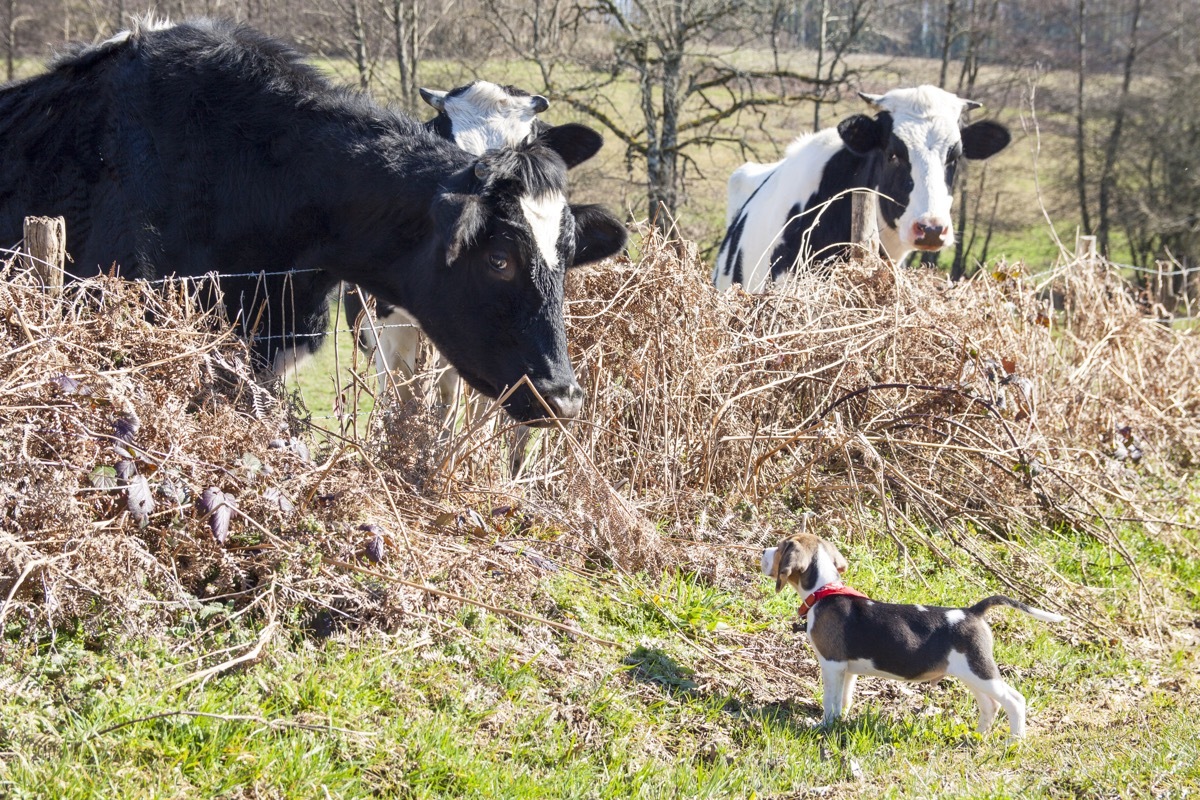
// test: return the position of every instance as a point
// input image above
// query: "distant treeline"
(1127, 91)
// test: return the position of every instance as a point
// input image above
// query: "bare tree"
(404, 17)
(1112, 144)
(1081, 117)
(12, 19)
(842, 28)
(679, 56)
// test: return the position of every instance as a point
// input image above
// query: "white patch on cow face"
(926, 120)
(545, 215)
(486, 117)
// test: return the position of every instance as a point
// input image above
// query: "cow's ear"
(984, 139)
(434, 98)
(538, 103)
(575, 143)
(861, 133)
(598, 234)
(460, 219)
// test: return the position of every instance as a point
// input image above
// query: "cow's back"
(177, 150)
(55, 154)
(767, 229)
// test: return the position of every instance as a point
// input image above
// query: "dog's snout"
(768, 560)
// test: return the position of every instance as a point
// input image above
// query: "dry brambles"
(145, 470)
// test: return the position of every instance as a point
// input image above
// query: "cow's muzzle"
(562, 403)
(929, 235)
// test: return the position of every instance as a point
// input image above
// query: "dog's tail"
(1000, 600)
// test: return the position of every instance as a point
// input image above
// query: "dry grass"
(948, 416)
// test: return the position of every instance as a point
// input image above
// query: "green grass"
(481, 707)
(326, 383)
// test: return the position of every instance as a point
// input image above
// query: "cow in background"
(798, 210)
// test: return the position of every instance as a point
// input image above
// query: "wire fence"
(1177, 270)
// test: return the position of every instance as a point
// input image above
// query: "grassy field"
(699, 692)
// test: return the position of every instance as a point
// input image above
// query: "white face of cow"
(485, 116)
(919, 141)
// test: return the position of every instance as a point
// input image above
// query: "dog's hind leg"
(997, 691)
(987, 710)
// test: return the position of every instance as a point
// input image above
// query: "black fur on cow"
(207, 146)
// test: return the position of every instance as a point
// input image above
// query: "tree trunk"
(947, 41)
(668, 175)
(360, 45)
(822, 39)
(1113, 145)
(403, 16)
(10, 36)
(1085, 216)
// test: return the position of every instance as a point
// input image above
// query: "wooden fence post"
(45, 251)
(864, 225)
(1085, 250)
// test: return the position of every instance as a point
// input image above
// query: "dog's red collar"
(837, 587)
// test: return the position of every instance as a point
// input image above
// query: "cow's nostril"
(566, 403)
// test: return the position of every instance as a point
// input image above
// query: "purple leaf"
(139, 499)
(279, 500)
(218, 508)
(374, 550)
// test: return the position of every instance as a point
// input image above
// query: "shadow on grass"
(864, 728)
(653, 666)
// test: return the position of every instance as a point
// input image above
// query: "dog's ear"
(788, 559)
(839, 560)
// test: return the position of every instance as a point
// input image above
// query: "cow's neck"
(889, 239)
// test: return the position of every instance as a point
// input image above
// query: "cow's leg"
(399, 342)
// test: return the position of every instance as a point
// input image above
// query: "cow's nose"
(565, 403)
(929, 231)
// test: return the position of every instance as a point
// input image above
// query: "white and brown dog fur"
(855, 636)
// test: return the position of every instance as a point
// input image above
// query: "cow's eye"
(498, 262)
(893, 158)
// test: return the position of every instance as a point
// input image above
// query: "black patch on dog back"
(903, 640)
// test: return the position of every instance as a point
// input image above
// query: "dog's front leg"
(848, 691)
(833, 676)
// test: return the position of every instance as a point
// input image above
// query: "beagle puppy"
(854, 635)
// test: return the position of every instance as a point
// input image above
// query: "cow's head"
(486, 116)
(915, 142)
(494, 306)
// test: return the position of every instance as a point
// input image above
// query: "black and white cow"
(207, 146)
(483, 115)
(477, 117)
(797, 210)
